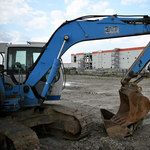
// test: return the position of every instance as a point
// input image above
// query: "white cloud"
(40, 39)
(66, 1)
(37, 22)
(13, 37)
(143, 6)
(128, 2)
(12, 10)
(98, 7)
(57, 18)
(108, 12)
(139, 40)
(16, 37)
(75, 7)
(20, 13)
(5, 37)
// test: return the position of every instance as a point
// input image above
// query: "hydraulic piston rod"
(55, 67)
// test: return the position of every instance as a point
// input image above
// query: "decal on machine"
(112, 30)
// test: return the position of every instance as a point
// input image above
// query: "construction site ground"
(89, 94)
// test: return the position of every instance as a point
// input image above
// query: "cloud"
(38, 22)
(142, 40)
(14, 37)
(75, 7)
(66, 1)
(78, 8)
(128, 2)
(5, 37)
(108, 12)
(40, 39)
(98, 7)
(57, 18)
(20, 13)
(143, 6)
(13, 10)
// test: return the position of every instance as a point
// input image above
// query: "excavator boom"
(84, 29)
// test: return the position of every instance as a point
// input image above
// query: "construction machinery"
(25, 83)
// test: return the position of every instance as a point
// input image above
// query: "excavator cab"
(133, 105)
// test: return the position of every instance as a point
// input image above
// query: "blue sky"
(36, 20)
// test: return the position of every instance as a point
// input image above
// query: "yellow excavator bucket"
(133, 107)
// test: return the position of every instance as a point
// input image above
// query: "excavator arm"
(84, 29)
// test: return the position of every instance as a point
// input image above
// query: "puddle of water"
(100, 92)
(66, 90)
(72, 84)
(69, 83)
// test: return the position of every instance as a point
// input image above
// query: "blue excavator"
(26, 83)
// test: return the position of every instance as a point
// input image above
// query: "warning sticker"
(112, 30)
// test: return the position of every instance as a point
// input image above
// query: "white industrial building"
(67, 65)
(115, 59)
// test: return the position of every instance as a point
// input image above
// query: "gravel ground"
(89, 94)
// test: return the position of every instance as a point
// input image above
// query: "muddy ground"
(90, 93)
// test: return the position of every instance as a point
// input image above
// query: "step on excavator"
(32, 76)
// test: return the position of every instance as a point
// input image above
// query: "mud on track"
(90, 93)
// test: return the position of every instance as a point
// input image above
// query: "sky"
(36, 20)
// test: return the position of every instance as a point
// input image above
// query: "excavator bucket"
(133, 107)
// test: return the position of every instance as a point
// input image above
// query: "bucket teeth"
(114, 124)
(118, 120)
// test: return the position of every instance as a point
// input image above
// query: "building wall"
(73, 62)
(103, 59)
(67, 65)
(87, 60)
(128, 56)
(75, 59)
(96, 59)
(106, 59)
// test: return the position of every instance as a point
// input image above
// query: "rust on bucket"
(133, 107)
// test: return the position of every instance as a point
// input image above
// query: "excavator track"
(17, 136)
(84, 119)
(79, 123)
